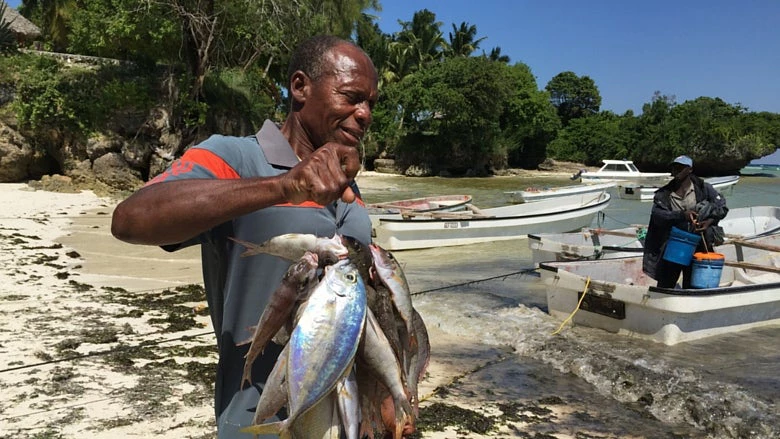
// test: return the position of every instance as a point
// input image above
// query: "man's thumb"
(348, 196)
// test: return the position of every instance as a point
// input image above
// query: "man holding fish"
(297, 179)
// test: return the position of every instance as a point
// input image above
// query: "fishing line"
(474, 282)
(55, 409)
(125, 348)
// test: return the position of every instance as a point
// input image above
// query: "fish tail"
(270, 428)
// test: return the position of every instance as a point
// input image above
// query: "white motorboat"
(623, 171)
(615, 295)
(437, 229)
(631, 191)
(533, 194)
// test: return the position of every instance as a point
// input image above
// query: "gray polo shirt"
(238, 288)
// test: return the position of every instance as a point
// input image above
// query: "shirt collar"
(275, 146)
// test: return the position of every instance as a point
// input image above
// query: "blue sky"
(690, 48)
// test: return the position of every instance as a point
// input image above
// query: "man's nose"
(363, 114)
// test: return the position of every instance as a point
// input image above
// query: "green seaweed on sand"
(437, 416)
(166, 306)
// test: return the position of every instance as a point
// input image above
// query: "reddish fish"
(297, 282)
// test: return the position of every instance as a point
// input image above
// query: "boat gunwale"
(692, 292)
(493, 218)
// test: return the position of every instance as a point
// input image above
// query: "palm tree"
(422, 40)
(495, 55)
(7, 37)
(462, 40)
(54, 15)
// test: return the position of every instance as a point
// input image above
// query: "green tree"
(419, 42)
(529, 121)
(451, 113)
(495, 55)
(463, 40)
(573, 96)
(53, 16)
(7, 37)
(592, 139)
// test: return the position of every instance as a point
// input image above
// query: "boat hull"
(621, 299)
(501, 223)
(646, 193)
(740, 223)
(529, 196)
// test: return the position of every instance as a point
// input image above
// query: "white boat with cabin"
(623, 171)
(615, 295)
(631, 191)
(532, 194)
(439, 229)
(598, 243)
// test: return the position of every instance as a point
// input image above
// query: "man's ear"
(299, 86)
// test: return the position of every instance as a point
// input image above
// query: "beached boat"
(588, 243)
(631, 191)
(438, 229)
(532, 194)
(424, 204)
(619, 297)
(595, 243)
(623, 171)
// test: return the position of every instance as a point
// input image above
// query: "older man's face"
(339, 104)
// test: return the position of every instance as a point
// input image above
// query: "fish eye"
(351, 277)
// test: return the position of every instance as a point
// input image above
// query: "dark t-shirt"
(238, 289)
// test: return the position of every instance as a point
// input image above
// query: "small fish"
(392, 275)
(292, 246)
(379, 358)
(349, 405)
(322, 344)
(418, 361)
(296, 283)
(274, 395)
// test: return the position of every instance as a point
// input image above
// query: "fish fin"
(248, 340)
(270, 428)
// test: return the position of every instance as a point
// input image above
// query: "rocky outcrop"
(18, 159)
(108, 157)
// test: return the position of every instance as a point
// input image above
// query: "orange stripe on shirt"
(205, 158)
(210, 161)
(313, 204)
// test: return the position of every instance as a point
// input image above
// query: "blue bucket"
(706, 270)
(681, 246)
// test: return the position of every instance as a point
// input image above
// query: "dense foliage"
(446, 103)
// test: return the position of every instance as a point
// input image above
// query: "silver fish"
(349, 405)
(323, 343)
(292, 246)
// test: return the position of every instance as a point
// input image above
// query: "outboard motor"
(577, 175)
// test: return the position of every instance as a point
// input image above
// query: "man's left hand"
(703, 225)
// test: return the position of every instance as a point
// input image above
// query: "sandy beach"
(103, 339)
